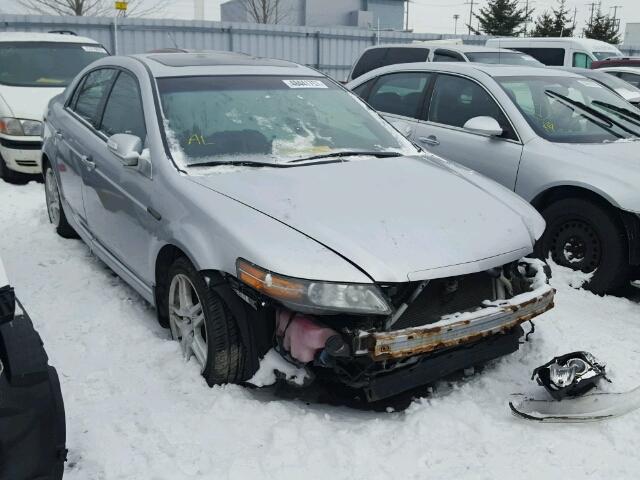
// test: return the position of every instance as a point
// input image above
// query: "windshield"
(44, 64)
(269, 119)
(605, 55)
(506, 58)
(624, 89)
(572, 110)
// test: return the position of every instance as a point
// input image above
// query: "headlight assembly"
(20, 127)
(313, 296)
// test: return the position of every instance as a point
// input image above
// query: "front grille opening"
(445, 296)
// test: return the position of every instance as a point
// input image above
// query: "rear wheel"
(584, 235)
(204, 326)
(54, 205)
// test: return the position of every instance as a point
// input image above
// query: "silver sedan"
(258, 204)
(564, 142)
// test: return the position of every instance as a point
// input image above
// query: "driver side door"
(455, 100)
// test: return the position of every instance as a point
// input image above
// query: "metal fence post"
(318, 50)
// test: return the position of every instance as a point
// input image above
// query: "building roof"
(44, 37)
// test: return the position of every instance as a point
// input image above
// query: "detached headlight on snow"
(310, 295)
(20, 127)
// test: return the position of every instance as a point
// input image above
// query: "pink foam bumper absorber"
(303, 335)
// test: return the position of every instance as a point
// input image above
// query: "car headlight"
(313, 296)
(20, 127)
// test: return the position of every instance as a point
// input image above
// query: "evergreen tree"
(602, 27)
(502, 17)
(558, 24)
(544, 26)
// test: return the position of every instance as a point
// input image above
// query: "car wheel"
(204, 326)
(54, 205)
(583, 235)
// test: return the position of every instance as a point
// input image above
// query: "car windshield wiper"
(629, 115)
(240, 163)
(609, 122)
(349, 153)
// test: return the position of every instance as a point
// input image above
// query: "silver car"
(258, 204)
(565, 143)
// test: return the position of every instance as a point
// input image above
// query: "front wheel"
(583, 235)
(204, 326)
(54, 205)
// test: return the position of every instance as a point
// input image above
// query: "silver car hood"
(398, 219)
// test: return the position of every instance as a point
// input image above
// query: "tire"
(225, 354)
(54, 204)
(584, 235)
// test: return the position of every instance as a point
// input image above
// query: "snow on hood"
(396, 218)
(28, 102)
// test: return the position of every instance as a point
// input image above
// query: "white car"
(557, 52)
(34, 68)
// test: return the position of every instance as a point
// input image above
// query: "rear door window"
(548, 56)
(123, 111)
(441, 55)
(370, 60)
(400, 93)
(91, 93)
(395, 56)
(456, 100)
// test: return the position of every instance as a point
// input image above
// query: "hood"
(28, 102)
(398, 219)
(622, 153)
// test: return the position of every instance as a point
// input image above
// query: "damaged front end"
(424, 331)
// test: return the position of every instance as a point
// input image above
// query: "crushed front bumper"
(496, 317)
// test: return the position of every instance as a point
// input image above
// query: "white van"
(34, 67)
(559, 51)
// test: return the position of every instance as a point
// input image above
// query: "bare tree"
(91, 8)
(266, 11)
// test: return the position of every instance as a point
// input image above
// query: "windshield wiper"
(629, 115)
(241, 163)
(349, 153)
(592, 111)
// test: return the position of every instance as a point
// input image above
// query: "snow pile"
(137, 411)
(272, 363)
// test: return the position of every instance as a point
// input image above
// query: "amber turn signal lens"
(269, 283)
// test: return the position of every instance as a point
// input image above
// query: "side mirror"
(126, 147)
(484, 125)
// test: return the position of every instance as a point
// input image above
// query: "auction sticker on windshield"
(298, 83)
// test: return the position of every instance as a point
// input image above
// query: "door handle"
(430, 140)
(91, 165)
(59, 135)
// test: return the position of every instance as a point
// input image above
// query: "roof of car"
(619, 69)
(218, 63)
(492, 70)
(590, 42)
(445, 46)
(44, 37)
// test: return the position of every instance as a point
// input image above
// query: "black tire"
(584, 235)
(226, 354)
(60, 221)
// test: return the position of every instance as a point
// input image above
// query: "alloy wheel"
(186, 319)
(52, 197)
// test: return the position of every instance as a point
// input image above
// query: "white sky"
(432, 16)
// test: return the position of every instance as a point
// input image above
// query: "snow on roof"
(43, 37)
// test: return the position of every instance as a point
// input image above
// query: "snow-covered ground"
(135, 410)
